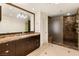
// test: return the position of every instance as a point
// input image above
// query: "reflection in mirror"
(15, 20)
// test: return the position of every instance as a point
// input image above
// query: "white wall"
(37, 22)
(42, 27)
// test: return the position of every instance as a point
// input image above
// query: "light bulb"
(18, 15)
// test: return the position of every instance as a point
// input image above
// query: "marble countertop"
(16, 37)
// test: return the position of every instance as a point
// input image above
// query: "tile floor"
(54, 50)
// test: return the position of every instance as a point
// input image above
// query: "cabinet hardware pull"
(7, 44)
(7, 51)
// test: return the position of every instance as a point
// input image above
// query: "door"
(55, 29)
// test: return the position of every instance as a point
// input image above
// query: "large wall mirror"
(16, 19)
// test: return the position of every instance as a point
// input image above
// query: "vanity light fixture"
(21, 16)
(68, 14)
(18, 15)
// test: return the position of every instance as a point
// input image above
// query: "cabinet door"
(36, 41)
(7, 49)
(20, 47)
(28, 46)
(24, 46)
(31, 44)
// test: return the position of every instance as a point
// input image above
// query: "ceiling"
(51, 9)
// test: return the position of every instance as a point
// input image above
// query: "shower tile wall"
(58, 32)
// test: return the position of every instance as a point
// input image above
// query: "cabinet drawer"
(7, 48)
(35, 37)
(7, 44)
(7, 52)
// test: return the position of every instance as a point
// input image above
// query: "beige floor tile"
(54, 50)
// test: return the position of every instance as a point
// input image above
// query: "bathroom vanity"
(19, 45)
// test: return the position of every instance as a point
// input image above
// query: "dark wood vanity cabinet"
(20, 47)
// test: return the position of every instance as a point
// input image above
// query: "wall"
(42, 27)
(37, 22)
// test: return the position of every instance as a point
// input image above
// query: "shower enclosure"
(55, 30)
(70, 35)
(62, 30)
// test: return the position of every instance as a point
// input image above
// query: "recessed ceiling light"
(33, 8)
(56, 3)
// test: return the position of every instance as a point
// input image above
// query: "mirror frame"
(0, 13)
